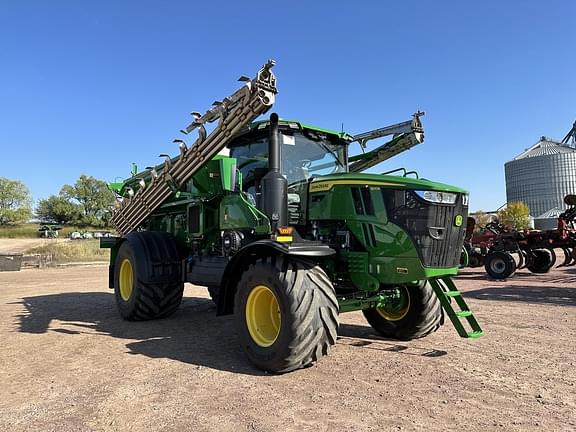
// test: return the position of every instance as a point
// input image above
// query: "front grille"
(431, 226)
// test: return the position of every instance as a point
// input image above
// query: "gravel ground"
(17, 246)
(68, 363)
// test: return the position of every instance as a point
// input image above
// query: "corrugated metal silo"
(547, 221)
(542, 176)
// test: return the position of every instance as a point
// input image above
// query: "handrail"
(405, 174)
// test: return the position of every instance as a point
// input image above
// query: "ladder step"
(463, 314)
(445, 290)
(476, 334)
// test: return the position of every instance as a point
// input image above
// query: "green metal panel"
(391, 181)
(357, 262)
(227, 172)
(237, 213)
(208, 180)
(391, 256)
(116, 187)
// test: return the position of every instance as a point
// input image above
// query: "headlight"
(437, 197)
(465, 199)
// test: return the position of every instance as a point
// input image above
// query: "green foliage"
(515, 216)
(88, 202)
(482, 219)
(58, 209)
(73, 251)
(19, 231)
(31, 231)
(15, 202)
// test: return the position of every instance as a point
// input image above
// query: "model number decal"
(323, 186)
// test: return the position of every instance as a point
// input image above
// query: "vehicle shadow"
(366, 337)
(566, 275)
(479, 275)
(548, 294)
(192, 335)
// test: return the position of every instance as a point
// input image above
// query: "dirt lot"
(15, 246)
(68, 363)
(24, 245)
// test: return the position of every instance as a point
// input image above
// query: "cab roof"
(296, 125)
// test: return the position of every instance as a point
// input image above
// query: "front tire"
(416, 314)
(286, 313)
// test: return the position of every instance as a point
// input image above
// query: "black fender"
(112, 243)
(254, 251)
(156, 253)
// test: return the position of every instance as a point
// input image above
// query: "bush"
(516, 215)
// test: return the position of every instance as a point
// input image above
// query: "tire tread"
(312, 307)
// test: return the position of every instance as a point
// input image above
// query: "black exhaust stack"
(274, 185)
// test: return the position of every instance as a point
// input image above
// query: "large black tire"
(542, 261)
(286, 313)
(475, 258)
(500, 265)
(147, 280)
(464, 258)
(573, 253)
(421, 315)
(567, 257)
(214, 292)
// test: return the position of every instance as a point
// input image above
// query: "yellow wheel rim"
(397, 309)
(126, 279)
(263, 316)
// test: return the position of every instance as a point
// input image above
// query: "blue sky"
(89, 87)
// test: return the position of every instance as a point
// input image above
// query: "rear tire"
(286, 313)
(147, 283)
(500, 265)
(421, 314)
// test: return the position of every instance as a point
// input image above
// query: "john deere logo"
(458, 220)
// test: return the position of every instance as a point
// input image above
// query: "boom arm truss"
(570, 138)
(406, 135)
(233, 113)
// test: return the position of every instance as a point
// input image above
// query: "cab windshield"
(303, 156)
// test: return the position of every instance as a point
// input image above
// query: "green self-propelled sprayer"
(281, 225)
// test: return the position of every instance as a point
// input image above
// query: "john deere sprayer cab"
(282, 226)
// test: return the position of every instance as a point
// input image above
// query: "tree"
(482, 219)
(93, 198)
(515, 215)
(15, 202)
(58, 209)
